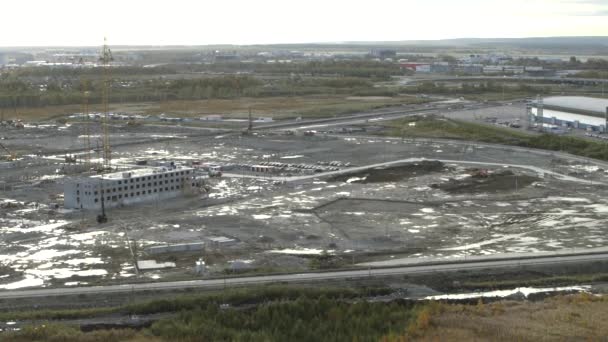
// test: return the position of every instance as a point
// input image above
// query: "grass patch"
(578, 317)
(303, 319)
(544, 281)
(274, 313)
(295, 314)
(497, 96)
(56, 314)
(65, 333)
(437, 127)
(278, 107)
(233, 297)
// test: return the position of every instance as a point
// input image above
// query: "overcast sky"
(194, 22)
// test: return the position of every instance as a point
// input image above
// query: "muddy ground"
(482, 181)
(390, 174)
(281, 223)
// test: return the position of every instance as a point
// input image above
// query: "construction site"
(276, 200)
(108, 198)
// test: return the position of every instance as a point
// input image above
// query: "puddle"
(300, 251)
(525, 291)
(29, 281)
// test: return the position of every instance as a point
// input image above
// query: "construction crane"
(87, 128)
(11, 155)
(102, 218)
(105, 59)
(249, 129)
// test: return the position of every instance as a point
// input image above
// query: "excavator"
(10, 156)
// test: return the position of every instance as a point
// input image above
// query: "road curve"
(310, 277)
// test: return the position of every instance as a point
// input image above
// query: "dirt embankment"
(390, 174)
(491, 182)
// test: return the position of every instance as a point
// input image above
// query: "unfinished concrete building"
(129, 187)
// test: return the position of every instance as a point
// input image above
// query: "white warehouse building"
(129, 187)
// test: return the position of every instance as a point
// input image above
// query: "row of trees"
(301, 320)
(16, 92)
(571, 63)
(346, 68)
(68, 72)
(474, 88)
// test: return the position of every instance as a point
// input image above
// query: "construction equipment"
(70, 159)
(479, 173)
(215, 171)
(10, 155)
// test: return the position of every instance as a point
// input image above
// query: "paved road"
(375, 118)
(343, 120)
(309, 277)
(466, 143)
(510, 78)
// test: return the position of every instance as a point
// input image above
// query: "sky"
(201, 22)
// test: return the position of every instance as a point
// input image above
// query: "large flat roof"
(578, 103)
(150, 171)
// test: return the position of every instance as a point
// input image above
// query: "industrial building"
(129, 187)
(577, 104)
(383, 53)
(416, 67)
(572, 112)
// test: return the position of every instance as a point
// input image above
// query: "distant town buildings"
(383, 53)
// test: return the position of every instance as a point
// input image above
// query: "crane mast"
(105, 59)
(87, 128)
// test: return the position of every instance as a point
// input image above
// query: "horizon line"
(345, 42)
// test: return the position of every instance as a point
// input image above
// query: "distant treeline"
(571, 64)
(95, 72)
(16, 92)
(346, 68)
(342, 68)
(474, 88)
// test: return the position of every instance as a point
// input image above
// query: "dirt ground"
(389, 174)
(483, 182)
(563, 318)
(280, 224)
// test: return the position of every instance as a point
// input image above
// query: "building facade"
(129, 187)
